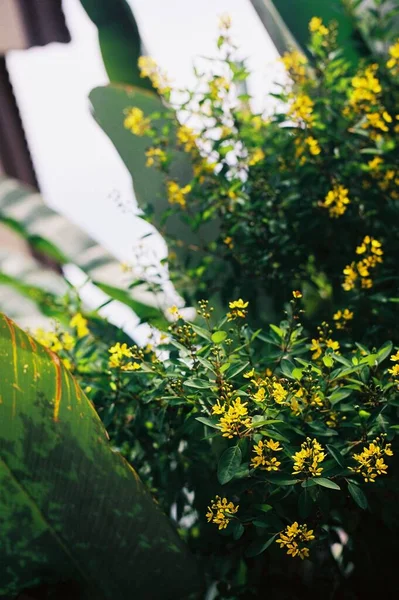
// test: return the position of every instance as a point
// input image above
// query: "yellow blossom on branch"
(302, 109)
(393, 62)
(264, 458)
(295, 63)
(177, 194)
(307, 460)
(294, 537)
(136, 122)
(255, 157)
(221, 511)
(155, 156)
(316, 26)
(80, 324)
(187, 138)
(149, 68)
(341, 318)
(235, 420)
(278, 392)
(237, 310)
(370, 462)
(336, 201)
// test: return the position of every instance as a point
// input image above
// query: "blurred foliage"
(304, 198)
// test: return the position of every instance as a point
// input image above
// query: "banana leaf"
(57, 239)
(286, 21)
(71, 509)
(108, 104)
(119, 40)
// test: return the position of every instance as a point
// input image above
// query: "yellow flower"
(80, 324)
(365, 89)
(218, 87)
(136, 122)
(302, 109)
(341, 317)
(393, 62)
(155, 155)
(218, 409)
(316, 26)
(294, 537)
(375, 163)
(229, 242)
(221, 511)
(295, 63)
(118, 352)
(131, 366)
(235, 420)
(316, 349)
(395, 357)
(149, 68)
(296, 294)
(308, 459)
(249, 374)
(279, 393)
(187, 138)
(336, 201)
(264, 458)
(373, 253)
(313, 144)
(177, 194)
(238, 310)
(333, 345)
(257, 156)
(55, 341)
(370, 462)
(260, 395)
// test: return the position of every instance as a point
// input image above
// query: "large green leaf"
(287, 21)
(55, 237)
(119, 40)
(109, 104)
(70, 507)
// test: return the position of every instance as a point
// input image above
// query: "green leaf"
(71, 506)
(327, 483)
(204, 333)
(218, 337)
(357, 494)
(328, 361)
(259, 546)
(277, 330)
(384, 352)
(336, 454)
(339, 395)
(208, 422)
(229, 463)
(199, 384)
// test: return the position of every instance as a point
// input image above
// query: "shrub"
(273, 453)
(304, 198)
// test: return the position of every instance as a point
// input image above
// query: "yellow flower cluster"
(279, 393)
(255, 157)
(237, 310)
(221, 512)
(377, 120)
(395, 369)
(136, 122)
(366, 89)
(301, 109)
(316, 26)
(372, 251)
(318, 344)
(295, 63)
(341, 318)
(308, 459)
(235, 420)
(303, 148)
(187, 138)
(264, 458)
(218, 88)
(336, 201)
(56, 342)
(155, 156)
(120, 352)
(80, 324)
(393, 61)
(294, 538)
(371, 460)
(177, 194)
(149, 68)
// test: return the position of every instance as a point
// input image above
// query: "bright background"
(79, 171)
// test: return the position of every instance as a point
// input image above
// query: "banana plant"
(60, 242)
(71, 509)
(287, 23)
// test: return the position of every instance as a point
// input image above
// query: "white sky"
(78, 169)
